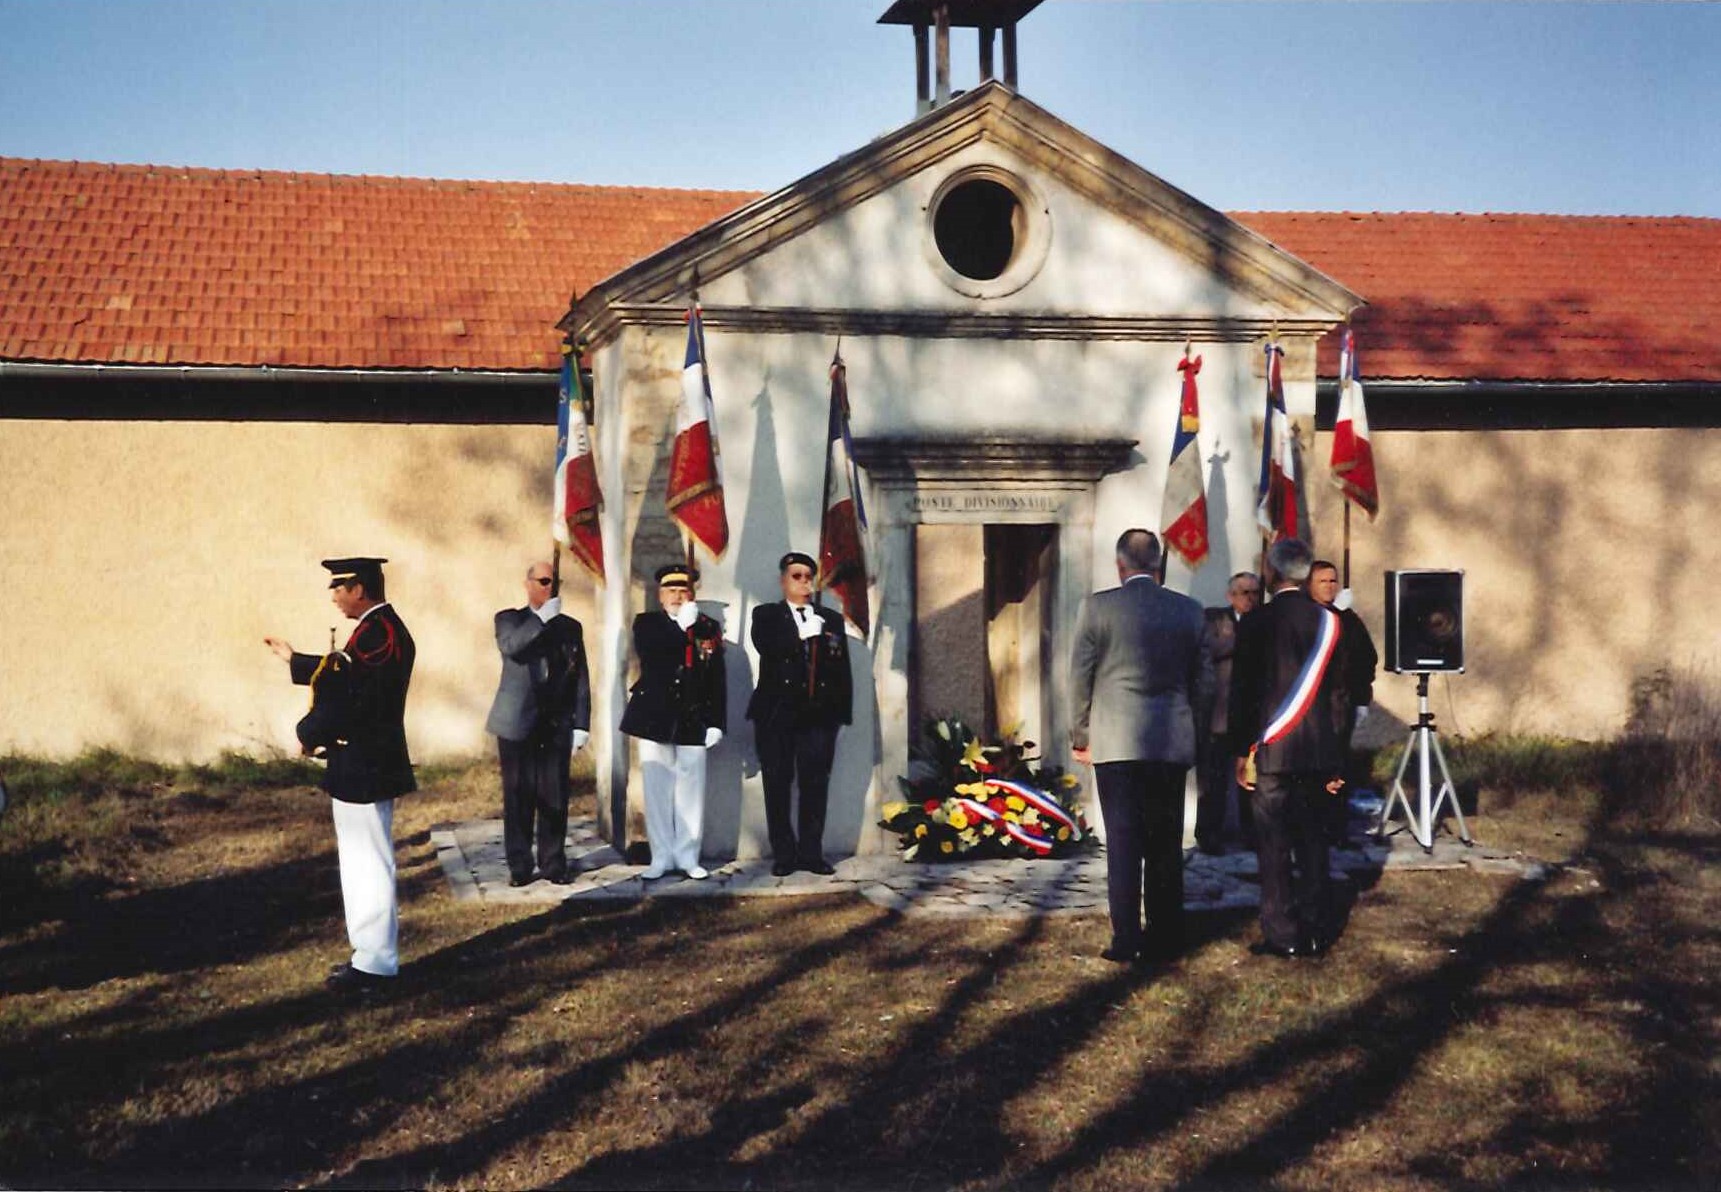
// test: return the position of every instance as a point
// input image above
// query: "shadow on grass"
(936, 1102)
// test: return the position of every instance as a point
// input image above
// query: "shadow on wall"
(1552, 643)
(851, 814)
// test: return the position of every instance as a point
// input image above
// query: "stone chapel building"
(209, 379)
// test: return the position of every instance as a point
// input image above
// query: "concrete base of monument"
(472, 859)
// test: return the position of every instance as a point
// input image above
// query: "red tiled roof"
(160, 265)
(1518, 297)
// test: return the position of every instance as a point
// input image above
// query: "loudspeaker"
(1424, 621)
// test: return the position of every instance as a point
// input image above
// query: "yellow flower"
(1068, 781)
(988, 830)
(1030, 816)
(1063, 833)
(970, 838)
(893, 809)
(919, 831)
(946, 847)
(972, 790)
(1012, 817)
(959, 819)
(1015, 802)
(973, 754)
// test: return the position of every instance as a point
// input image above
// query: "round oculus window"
(979, 227)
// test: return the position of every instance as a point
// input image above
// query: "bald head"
(540, 580)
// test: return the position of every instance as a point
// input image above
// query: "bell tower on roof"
(936, 18)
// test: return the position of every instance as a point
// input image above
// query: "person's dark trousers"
(1142, 803)
(1217, 774)
(788, 752)
(1291, 842)
(535, 791)
(1335, 811)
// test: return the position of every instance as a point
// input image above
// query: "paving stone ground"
(472, 858)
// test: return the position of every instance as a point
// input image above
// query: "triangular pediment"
(1104, 244)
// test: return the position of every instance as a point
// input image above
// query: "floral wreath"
(965, 799)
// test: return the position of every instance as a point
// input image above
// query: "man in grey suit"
(1139, 669)
(541, 715)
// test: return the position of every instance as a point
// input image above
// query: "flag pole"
(1347, 506)
(825, 488)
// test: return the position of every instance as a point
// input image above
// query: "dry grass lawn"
(164, 934)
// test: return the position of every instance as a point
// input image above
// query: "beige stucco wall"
(143, 562)
(1584, 552)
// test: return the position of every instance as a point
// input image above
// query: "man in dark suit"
(1217, 769)
(541, 715)
(1288, 666)
(357, 722)
(1355, 694)
(1139, 669)
(804, 696)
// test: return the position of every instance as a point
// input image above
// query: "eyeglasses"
(542, 583)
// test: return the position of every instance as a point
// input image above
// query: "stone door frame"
(975, 481)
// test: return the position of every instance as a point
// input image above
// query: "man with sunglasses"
(541, 716)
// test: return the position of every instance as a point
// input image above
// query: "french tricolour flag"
(695, 496)
(1183, 517)
(1353, 458)
(842, 554)
(1276, 503)
(577, 500)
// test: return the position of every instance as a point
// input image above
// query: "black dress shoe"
(520, 879)
(1282, 951)
(819, 866)
(782, 868)
(1119, 955)
(348, 979)
(565, 877)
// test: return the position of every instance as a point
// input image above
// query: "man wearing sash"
(1285, 736)
(357, 723)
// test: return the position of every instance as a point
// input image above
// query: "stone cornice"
(919, 459)
(954, 324)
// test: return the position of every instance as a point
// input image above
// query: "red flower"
(932, 805)
(997, 804)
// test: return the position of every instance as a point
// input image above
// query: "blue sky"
(1550, 107)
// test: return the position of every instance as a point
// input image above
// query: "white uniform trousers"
(364, 839)
(674, 778)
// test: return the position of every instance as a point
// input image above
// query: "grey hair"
(1232, 582)
(1291, 559)
(1138, 550)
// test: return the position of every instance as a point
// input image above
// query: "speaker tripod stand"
(1425, 746)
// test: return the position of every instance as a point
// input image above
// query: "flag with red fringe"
(1353, 457)
(577, 499)
(1183, 517)
(842, 552)
(695, 497)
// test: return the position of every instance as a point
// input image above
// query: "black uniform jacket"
(807, 681)
(359, 716)
(1273, 643)
(546, 682)
(681, 690)
(1221, 641)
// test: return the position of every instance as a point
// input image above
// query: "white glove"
(687, 614)
(1344, 599)
(1361, 715)
(549, 608)
(712, 736)
(581, 736)
(808, 623)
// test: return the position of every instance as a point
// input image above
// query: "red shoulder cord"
(378, 655)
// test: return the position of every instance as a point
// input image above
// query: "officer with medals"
(803, 697)
(357, 723)
(677, 710)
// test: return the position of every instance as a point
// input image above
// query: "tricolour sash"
(1297, 702)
